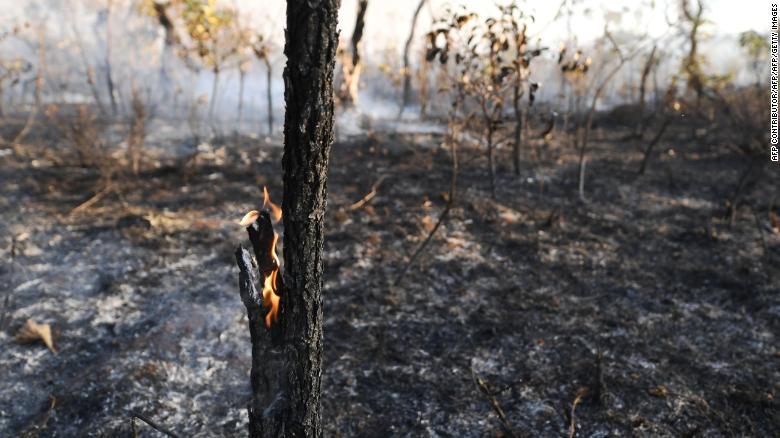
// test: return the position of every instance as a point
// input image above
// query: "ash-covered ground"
(641, 312)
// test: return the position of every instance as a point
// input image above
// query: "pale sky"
(388, 21)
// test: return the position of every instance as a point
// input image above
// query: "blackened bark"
(267, 378)
(310, 46)
(286, 372)
(357, 35)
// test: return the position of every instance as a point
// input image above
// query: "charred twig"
(483, 388)
(150, 423)
(572, 419)
(369, 196)
(100, 194)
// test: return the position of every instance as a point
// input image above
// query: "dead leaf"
(32, 331)
(775, 222)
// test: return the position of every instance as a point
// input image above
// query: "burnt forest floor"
(641, 312)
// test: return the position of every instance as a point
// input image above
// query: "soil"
(641, 312)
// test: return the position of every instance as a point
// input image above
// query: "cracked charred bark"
(287, 357)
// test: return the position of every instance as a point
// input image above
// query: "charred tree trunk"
(349, 91)
(287, 356)
(407, 92)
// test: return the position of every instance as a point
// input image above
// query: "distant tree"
(210, 36)
(407, 74)
(352, 66)
(262, 50)
(694, 19)
(757, 47)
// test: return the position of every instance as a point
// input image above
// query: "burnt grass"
(643, 301)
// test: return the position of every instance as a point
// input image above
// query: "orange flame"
(270, 292)
(276, 211)
(270, 295)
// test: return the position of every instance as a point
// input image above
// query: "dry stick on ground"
(93, 199)
(572, 419)
(151, 424)
(667, 121)
(508, 430)
(365, 199)
(407, 91)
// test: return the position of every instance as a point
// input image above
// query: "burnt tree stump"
(266, 377)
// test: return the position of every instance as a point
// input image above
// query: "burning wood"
(261, 232)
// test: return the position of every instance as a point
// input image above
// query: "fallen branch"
(100, 194)
(365, 199)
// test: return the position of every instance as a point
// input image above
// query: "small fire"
(270, 292)
(276, 211)
(270, 297)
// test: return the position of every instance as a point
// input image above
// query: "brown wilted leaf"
(775, 222)
(249, 218)
(32, 331)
